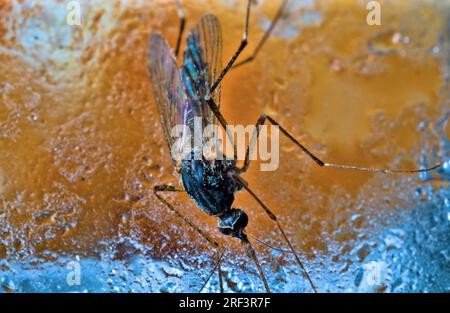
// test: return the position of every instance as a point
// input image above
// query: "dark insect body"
(210, 185)
(193, 91)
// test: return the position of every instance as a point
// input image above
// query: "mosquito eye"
(242, 221)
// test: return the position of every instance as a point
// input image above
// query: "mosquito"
(192, 90)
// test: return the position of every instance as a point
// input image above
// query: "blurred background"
(81, 146)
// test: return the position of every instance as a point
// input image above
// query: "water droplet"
(384, 43)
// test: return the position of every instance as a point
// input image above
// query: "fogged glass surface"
(81, 147)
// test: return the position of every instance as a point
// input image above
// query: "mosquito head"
(233, 222)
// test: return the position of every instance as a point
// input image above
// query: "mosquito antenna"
(251, 254)
(219, 260)
(269, 246)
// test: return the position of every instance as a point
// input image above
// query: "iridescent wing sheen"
(202, 63)
(169, 91)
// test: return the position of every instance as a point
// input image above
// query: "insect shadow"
(192, 90)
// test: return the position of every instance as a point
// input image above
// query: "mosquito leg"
(262, 119)
(220, 276)
(264, 38)
(159, 188)
(252, 255)
(237, 53)
(318, 161)
(216, 267)
(280, 228)
(169, 188)
(212, 105)
(180, 12)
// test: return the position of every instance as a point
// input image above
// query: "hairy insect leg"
(252, 255)
(159, 188)
(237, 53)
(264, 118)
(216, 267)
(169, 188)
(212, 105)
(244, 43)
(264, 38)
(181, 16)
(280, 228)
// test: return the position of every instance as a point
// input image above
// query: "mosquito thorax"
(210, 184)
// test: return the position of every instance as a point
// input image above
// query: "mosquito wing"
(202, 64)
(169, 92)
